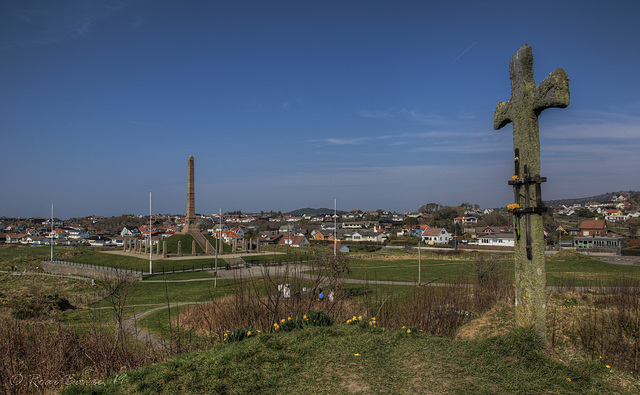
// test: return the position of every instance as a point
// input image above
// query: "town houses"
(591, 226)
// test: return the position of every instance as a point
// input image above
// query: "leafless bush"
(42, 357)
(260, 302)
(441, 310)
(611, 327)
(116, 289)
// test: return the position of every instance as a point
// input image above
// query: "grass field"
(347, 359)
(403, 266)
(489, 358)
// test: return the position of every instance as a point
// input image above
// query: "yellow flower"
(249, 333)
(408, 330)
(514, 178)
(568, 379)
(360, 318)
(513, 206)
(282, 321)
(403, 327)
(289, 318)
(304, 316)
(608, 367)
(356, 355)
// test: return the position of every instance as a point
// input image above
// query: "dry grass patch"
(497, 321)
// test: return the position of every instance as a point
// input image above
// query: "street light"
(419, 264)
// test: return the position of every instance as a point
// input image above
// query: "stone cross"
(523, 108)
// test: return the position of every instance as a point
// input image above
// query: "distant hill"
(314, 211)
(605, 197)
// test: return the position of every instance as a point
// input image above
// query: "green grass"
(585, 270)
(157, 323)
(404, 267)
(100, 258)
(214, 242)
(183, 276)
(145, 292)
(347, 358)
(185, 240)
(433, 270)
(25, 256)
(105, 315)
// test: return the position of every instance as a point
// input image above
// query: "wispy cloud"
(50, 25)
(413, 116)
(287, 104)
(374, 114)
(338, 141)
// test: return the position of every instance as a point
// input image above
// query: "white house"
(77, 234)
(497, 240)
(294, 241)
(436, 236)
(129, 231)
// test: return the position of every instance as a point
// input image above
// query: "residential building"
(593, 227)
(294, 241)
(436, 236)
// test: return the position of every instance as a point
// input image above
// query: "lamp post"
(419, 264)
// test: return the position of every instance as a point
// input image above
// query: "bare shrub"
(611, 327)
(44, 357)
(440, 310)
(260, 302)
(116, 289)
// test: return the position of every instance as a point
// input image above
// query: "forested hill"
(605, 197)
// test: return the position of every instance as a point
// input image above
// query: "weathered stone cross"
(523, 108)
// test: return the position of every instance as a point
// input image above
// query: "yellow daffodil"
(408, 330)
(249, 333)
(356, 355)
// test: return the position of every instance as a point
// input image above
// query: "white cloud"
(374, 114)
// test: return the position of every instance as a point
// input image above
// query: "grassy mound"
(353, 358)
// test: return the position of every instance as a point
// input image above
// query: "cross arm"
(501, 117)
(552, 92)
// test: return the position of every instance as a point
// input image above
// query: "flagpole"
(51, 235)
(335, 228)
(150, 244)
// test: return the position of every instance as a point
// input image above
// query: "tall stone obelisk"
(190, 220)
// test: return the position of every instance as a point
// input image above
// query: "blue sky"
(290, 104)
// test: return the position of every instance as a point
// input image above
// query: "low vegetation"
(273, 333)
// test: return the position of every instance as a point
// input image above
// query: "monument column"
(190, 220)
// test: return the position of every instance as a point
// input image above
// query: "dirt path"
(130, 326)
